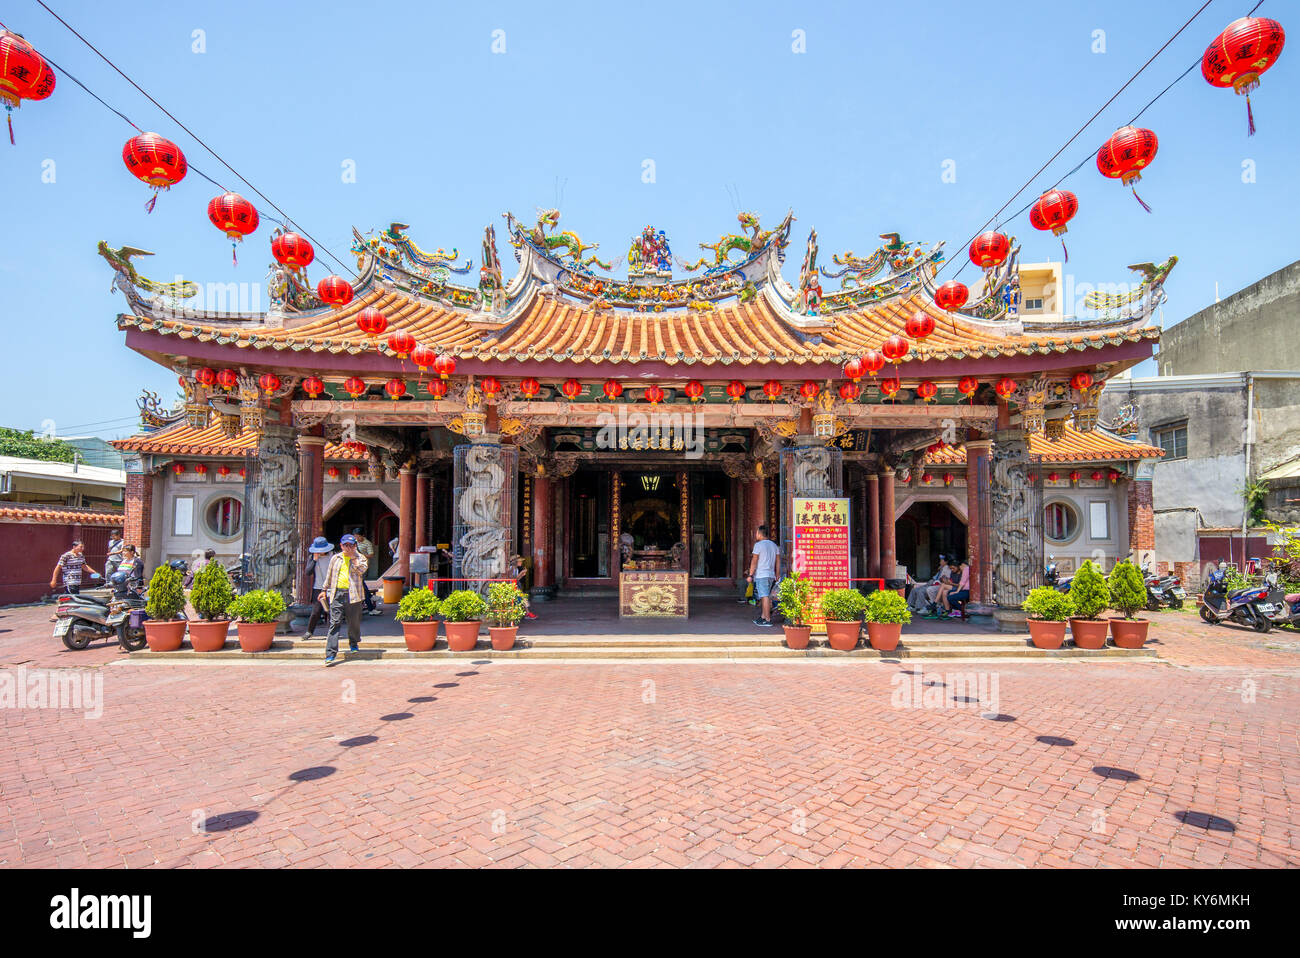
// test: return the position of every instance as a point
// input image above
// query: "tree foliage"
(24, 444)
(1088, 591)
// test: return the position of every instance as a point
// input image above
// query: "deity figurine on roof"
(809, 295)
(650, 255)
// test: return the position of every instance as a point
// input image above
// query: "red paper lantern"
(371, 321)
(201, 469)
(1052, 211)
(292, 250)
(530, 387)
(223, 470)
(423, 357)
(735, 390)
(1005, 387)
(809, 390)
(335, 291)
(1245, 49)
(927, 390)
(850, 391)
(491, 386)
(927, 478)
(178, 468)
(612, 389)
(951, 295)
(694, 390)
(918, 327)
(967, 386)
(1075, 476)
(437, 388)
(1081, 381)
(243, 473)
(772, 389)
(571, 388)
(269, 382)
(396, 389)
(654, 394)
(354, 386)
(873, 361)
(204, 376)
(401, 342)
(948, 478)
(1128, 150)
(990, 249)
(332, 472)
(896, 347)
(1096, 475)
(24, 74)
(155, 160)
(1114, 475)
(890, 387)
(355, 472)
(445, 365)
(1053, 476)
(854, 369)
(313, 386)
(234, 216)
(227, 379)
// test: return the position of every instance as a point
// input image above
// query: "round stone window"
(225, 517)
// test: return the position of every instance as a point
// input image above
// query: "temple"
(595, 424)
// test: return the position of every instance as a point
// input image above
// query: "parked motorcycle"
(1248, 606)
(1052, 577)
(1163, 590)
(1288, 611)
(115, 612)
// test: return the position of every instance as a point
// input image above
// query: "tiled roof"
(183, 439)
(1074, 446)
(552, 327)
(48, 515)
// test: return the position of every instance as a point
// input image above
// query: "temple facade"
(594, 423)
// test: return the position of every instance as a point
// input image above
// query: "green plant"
(843, 605)
(1047, 604)
(24, 444)
(463, 605)
(1254, 493)
(211, 593)
(259, 605)
(1234, 578)
(418, 605)
(1088, 591)
(887, 607)
(794, 598)
(166, 595)
(1128, 590)
(506, 604)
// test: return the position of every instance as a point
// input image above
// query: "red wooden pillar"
(405, 520)
(543, 556)
(888, 559)
(873, 526)
(756, 510)
(311, 494)
(977, 549)
(421, 510)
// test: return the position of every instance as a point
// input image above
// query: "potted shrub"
(462, 611)
(1048, 609)
(210, 596)
(887, 612)
(506, 608)
(164, 629)
(256, 613)
(1128, 593)
(416, 612)
(843, 610)
(794, 599)
(1089, 595)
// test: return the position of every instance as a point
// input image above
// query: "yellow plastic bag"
(749, 591)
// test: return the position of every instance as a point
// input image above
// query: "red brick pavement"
(664, 765)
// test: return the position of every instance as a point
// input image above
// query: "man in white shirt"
(764, 567)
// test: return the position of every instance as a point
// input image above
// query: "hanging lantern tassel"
(1140, 200)
(9, 115)
(234, 254)
(1065, 252)
(148, 207)
(1250, 118)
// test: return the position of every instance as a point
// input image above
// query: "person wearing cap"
(320, 551)
(343, 595)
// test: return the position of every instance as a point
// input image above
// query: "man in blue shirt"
(764, 566)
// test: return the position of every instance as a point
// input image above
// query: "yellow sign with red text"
(820, 550)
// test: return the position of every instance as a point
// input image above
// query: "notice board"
(820, 550)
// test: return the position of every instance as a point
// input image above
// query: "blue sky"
(446, 135)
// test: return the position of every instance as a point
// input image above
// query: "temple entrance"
(926, 531)
(373, 517)
(650, 519)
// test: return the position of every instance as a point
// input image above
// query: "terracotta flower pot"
(796, 636)
(1046, 635)
(420, 636)
(255, 636)
(1129, 633)
(462, 636)
(884, 636)
(1089, 633)
(164, 636)
(209, 636)
(503, 636)
(843, 635)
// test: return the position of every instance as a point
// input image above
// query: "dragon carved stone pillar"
(271, 501)
(1016, 546)
(484, 503)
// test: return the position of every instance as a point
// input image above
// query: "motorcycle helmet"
(180, 565)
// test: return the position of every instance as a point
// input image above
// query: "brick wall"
(139, 510)
(1141, 519)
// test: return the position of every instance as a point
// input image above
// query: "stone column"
(873, 526)
(1015, 559)
(311, 495)
(271, 512)
(405, 520)
(543, 556)
(421, 510)
(1141, 518)
(888, 558)
(977, 550)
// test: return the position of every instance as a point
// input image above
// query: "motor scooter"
(116, 612)
(1163, 590)
(1248, 606)
(1053, 578)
